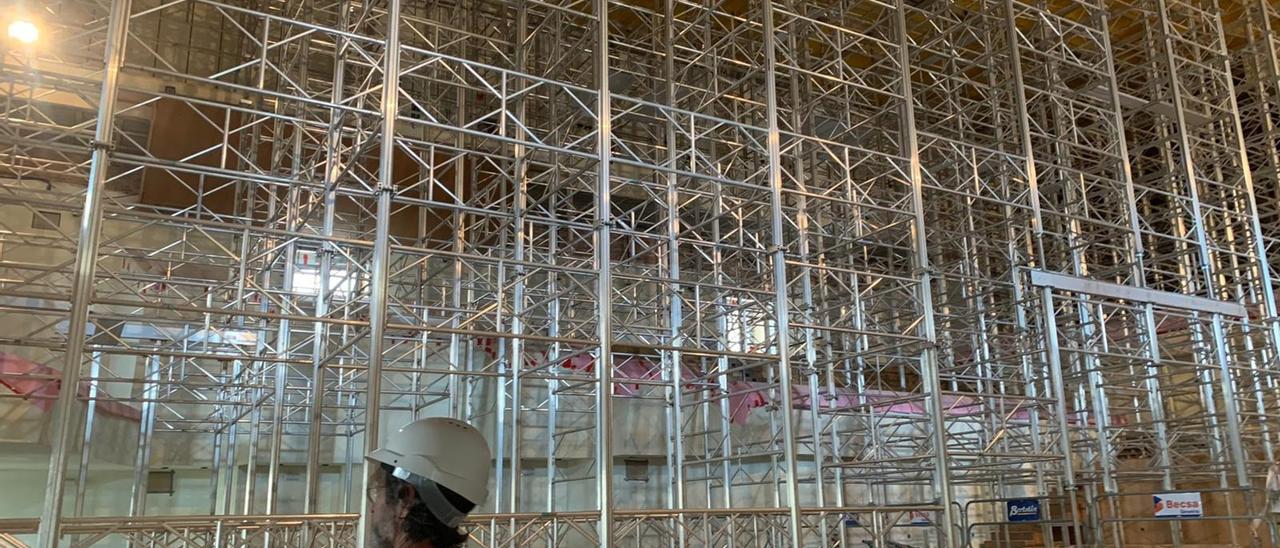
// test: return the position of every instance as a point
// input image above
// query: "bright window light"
(747, 329)
(306, 281)
(24, 31)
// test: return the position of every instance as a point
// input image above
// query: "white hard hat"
(448, 452)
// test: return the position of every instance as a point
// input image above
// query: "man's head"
(424, 481)
(398, 517)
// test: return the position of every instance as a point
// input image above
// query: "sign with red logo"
(920, 519)
(1178, 505)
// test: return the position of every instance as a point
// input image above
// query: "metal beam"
(1110, 290)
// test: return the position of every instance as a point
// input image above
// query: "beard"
(381, 538)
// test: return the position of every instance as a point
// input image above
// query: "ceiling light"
(24, 31)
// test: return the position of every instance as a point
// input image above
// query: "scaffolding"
(844, 272)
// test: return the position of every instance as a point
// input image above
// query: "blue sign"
(920, 519)
(1019, 510)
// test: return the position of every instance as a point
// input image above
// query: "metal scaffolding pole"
(379, 273)
(325, 289)
(85, 271)
(781, 301)
(930, 374)
(603, 221)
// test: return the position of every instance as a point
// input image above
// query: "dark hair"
(420, 524)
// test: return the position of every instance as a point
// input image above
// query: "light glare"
(24, 31)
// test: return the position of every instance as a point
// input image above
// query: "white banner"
(1178, 505)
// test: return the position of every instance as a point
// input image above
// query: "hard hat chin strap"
(430, 494)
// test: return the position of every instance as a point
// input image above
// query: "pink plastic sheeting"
(39, 385)
(745, 396)
(631, 368)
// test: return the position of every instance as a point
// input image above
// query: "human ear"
(407, 497)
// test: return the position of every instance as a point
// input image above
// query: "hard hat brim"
(384, 456)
